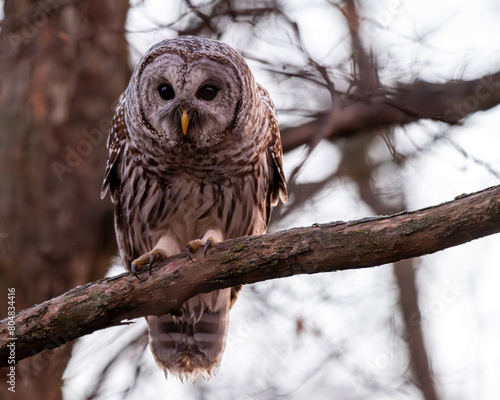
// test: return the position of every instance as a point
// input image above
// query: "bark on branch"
(320, 248)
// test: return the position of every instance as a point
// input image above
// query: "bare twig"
(449, 102)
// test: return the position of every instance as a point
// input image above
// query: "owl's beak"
(184, 122)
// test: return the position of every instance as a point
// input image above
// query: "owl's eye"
(207, 92)
(166, 91)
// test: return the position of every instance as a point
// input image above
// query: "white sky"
(352, 310)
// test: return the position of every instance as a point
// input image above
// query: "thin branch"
(320, 248)
(449, 102)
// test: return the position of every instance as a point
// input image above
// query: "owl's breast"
(188, 198)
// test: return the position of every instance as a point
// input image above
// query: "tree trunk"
(63, 65)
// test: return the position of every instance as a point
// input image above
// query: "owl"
(194, 158)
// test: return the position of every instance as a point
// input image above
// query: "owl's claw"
(208, 243)
(134, 268)
(146, 259)
(189, 250)
(194, 245)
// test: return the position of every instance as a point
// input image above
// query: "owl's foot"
(194, 245)
(148, 258)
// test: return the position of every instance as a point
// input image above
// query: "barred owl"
(194, 158)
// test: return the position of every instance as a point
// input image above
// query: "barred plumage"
(194, 155)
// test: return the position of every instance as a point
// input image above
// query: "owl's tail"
(191, 345)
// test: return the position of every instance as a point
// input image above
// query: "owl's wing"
(277, 181)
(116, 142)
(277, 177)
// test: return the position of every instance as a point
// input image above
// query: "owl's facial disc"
(193, 100)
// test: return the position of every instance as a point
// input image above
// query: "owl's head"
(190, 90)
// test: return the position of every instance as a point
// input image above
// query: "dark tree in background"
(63, 64)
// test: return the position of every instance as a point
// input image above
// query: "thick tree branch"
(321, 248)
(447, 102)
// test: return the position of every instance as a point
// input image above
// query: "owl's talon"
(190, 249)
(134, 269)
(147, 259)
(154, 256)
(208, 243)
(194, 245)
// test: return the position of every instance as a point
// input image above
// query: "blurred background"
(383, 106)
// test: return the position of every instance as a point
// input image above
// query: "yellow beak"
(185, 122)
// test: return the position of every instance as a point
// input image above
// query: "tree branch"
(334, 246)
(448, 102)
